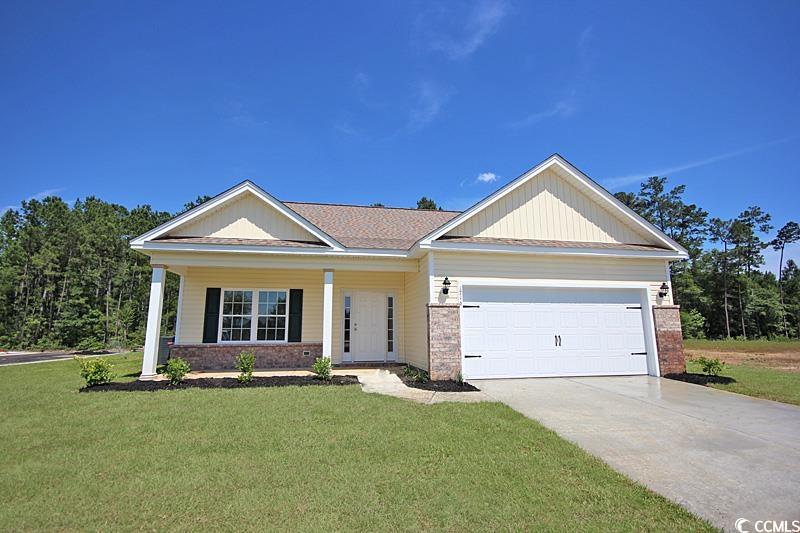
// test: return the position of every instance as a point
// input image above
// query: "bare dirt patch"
(788, 361)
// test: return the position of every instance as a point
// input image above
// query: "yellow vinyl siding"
(584, 269)
(197, 279)
(416, 316)
(246, 217)
(547, 207)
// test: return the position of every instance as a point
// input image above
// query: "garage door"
(525, 332)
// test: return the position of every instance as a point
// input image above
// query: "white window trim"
(253, 316)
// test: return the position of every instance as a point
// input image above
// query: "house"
(548, 276)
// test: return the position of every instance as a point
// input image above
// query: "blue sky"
(359, 102)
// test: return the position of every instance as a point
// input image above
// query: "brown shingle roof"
(387, 228)
(242, 242)
(372, 227)
(552, 244)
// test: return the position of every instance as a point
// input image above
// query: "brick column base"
(669, 339)
(444, 341)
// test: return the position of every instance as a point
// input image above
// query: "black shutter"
(211, 315)
(295, 314)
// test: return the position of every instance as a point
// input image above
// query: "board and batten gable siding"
(458, 266)
(246, 217)
(548, 207)
(416, 316)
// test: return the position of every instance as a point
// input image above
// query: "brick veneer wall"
(669, 338)
(444, 341)
(223, 356)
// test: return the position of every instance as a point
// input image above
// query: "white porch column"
(327, 313)
(153, 332)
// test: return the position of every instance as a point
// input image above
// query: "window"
(347, 307)
(390, 324)
(271, 316)
(237, 312)
(246, 320)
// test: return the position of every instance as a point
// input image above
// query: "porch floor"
(370, 364)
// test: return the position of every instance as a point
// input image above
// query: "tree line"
(722, 290)
(68, 277)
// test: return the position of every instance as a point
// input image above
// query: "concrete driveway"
(723, 456)
(25, 358)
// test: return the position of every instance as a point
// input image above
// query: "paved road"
(36, 357)
(721, 455)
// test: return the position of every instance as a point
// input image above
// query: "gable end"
(554, 201)
(548, 207)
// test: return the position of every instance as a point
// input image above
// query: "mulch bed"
(445, 385)
(222, 383)
(700, 379)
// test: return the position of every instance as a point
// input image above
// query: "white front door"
(369, 326)
(524, 332)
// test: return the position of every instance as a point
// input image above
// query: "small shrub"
(322, 368)
(95, 370)
(712, 367)
(415, 374)
(176, 370)
(460, 379)
(245, 363)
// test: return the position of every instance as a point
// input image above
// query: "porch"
(288, 317)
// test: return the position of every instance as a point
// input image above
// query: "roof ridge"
(372, 206)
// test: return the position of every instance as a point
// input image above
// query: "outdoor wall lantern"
(663, 290)
(446, 286)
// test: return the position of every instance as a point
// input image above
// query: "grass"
(321, 458)
(757, 381)
(749, 346)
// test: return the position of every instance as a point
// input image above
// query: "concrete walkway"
(385, 382)
(723, 456)
(373, 380)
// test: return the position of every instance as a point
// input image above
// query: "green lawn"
(757, 381)
(323, 458)
(750, 346)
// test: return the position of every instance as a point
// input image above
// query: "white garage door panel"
(525, 332)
